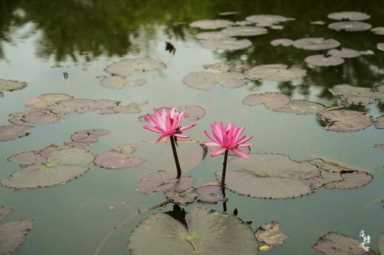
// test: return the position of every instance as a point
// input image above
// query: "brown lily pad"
(353, 95)
(270, 234)
(133, 66)
(12, 235)
(10, 85)
(34, 117)
(316, 43)
(266, 20)
(162, 181)
(88, 136)
(13, 132)
(271, 100)
(351, 180)
(45, 100)
(379, 122)
(301, 107)
(344, 53)
(350, 26)
(275, 72)
(349, 15)
(244, 31)
(210, 193)
(211, 24)
(345, 120)
(323, 61)
(118, 82)
(229, 44)
(119, 157)
(337, 244)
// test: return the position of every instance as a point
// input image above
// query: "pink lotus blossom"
(167, 123)
(228, 137)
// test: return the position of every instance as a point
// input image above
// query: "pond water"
(65, 46)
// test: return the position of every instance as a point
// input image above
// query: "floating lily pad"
(45, 100)
(9, 85)
(211, 24)
(316, 43)
(318, 22)
(118, 157)
(350, 26)
(380, 46)
(218, 67)
(345, 120)
(344, 53)
(378, 30)
(271, 100)
(349, 15)
(12, 235)
(275, 72)
(229, 44)
(4, 212)
(301, 107)
(27, 158)
(244, 31)
(205, 232)
(133, 66)
(214, 35)
(282, 42)
(206, 80)
(323, 61)
(82, 105)
(337, 244)
(88, 136)
(229, 13)
(162, 181)
(379, 123)
(351, 180)
(353, 95)
(129, 108)
(268, 20)
(271, 234)
(34, 117)
(192, 112)
(210, 193)
(13, 132)
(185, 197)
(61, 166)
(118, 82)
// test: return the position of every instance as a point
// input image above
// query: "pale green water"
(75, 217)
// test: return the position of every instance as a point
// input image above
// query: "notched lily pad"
(10, 85)
(118, 82)
(266, 20)
(203, 232)
(351, 180)
(323, 61)
(88, 136)
(353, 95)
(162, 181)
(13, 132)
(134, 66)
(301, 107)
(337, 244)
(349, 15)
(45, 100)
(210, 193)
(27, 158)
(211, 24)
(271, 100)
(270, 234)
(214, 35)
(34, 117)
(344, 53)
(345, 120)
(275, 72)
(62, 165)
(119, 157)
(350, 26)
(316, 43)
(183, 198)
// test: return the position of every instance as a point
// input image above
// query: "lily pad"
(129, 108)
(118, 157)
(45, 100)
(351, 180)
(13, 132)
(271, 100)
(34, 117)
(229, 44)
(162, 181)
(316, 43)
(271, 234)
(380, 46)
(378, 30)
(282, 42)
(350, 26)
(379, 123)
(88, 136)
(12, 235)
(349, 15)
(344, 53)
(82, 105)
(192, 112)
(133, 66)
(275, 72)
(214, 35)
(206, 80)
(10, 85)
(354, 95)
(345, 120)
(265, 20)
(186, 197)
(244, 31)
(118, 82)
(211, 24)
(27, 158)
(210, 193)
(205, 232)
(4, 212)
(318, 22)
(337, 244)
(62, 165)
(323, 61)
(301, 107)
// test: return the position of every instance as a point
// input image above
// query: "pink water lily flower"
(167, 123)
(228, 137)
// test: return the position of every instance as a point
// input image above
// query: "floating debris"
(118, 82)
(13, 132)
(350, 26)
(271, 234)
(271, 100)
(229, 44)
(12, 233)
(210, 193)
(378, 30)
(268, 20)
(275, 72)
(345, 120)
(162, 181)
(323, 61)
(134, 66)
(200, 231)
(316, 43)
(349, 15)
(301, 107)
(282, 42)
(206, 80)
(211, 24)
(344, 53)
(88, 136)
(119, 157)
(10, 85)
(61, 166)
(244, 31)
(337, 244)
(379, 122)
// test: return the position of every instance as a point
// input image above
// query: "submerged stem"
(224, 169)
(178, 168)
